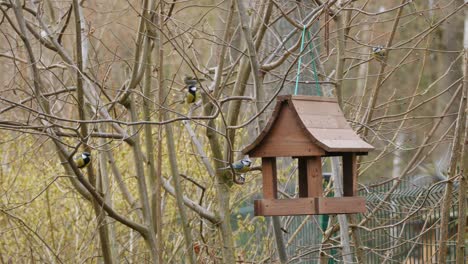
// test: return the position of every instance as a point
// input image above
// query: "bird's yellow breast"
(190, 98)
(80, 162)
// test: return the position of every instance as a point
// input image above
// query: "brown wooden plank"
(319, 108)
(324, 121)
(314, 176)
(269, 178)
(288, 124)
(283, 149)
(286, 138)
(298, 206)
(302, 177)
(310, 206)
(266, 131)
(341, 205)
(346, 146)
(331, 154)
(349, 174)
(306, 126)
(335, 133)
(258, 207)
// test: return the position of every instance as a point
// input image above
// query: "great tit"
(379, 52)
(82, 160)
(240, 166)
(192, 95)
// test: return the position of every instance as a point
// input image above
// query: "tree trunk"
(260, 98)
(81, 55)
(142, 186)
(171, 151)
(107, 192)
(455, 157)
(462, 188)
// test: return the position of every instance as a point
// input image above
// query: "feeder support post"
(349, 174)
(270, 188)
(310, 177)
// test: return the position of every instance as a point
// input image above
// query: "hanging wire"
(300, 61)
(314, 67)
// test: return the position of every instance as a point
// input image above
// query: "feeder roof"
(306, 126)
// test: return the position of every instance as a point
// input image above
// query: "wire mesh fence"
(405, 228)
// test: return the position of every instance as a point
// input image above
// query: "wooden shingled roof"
(306, 126)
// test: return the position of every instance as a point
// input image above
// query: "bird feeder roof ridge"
(318, 120)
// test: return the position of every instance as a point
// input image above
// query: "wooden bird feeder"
(308, 128)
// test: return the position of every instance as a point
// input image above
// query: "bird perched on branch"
(240, 166)
(82, 160)
(379, 52)
(192, 94)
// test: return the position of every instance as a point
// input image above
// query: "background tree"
(107, 77)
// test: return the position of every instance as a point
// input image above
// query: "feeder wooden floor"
(310, 206)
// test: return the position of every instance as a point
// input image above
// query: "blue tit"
(82, 160)
(379, 52)
(240, 166)
(191, 96)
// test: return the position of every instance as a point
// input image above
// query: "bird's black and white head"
(377, 49)
(86, 155)
(246, 162)
(192, 89)
(83, 159)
